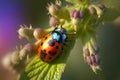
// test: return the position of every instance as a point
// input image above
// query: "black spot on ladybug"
(51, 43)
(50, 57)
(44, 50)
(49, 52)
(57, 47)
(41, 43)
(43, 54)
(46, 37)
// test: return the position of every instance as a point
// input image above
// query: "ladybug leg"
(56, 27)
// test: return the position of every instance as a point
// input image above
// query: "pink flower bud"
(53, 21)
(96, 48)
(38, 33)
(97, 59)
(81, 14)
(88, 60)
(92, 57)
(92, 10)
(86, 52)
(74, 14)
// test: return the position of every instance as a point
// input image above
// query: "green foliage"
(39, 70)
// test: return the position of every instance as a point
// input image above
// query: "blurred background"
(13, 13)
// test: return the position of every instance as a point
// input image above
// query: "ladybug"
(51, 45)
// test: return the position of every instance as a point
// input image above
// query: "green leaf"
(39, 70)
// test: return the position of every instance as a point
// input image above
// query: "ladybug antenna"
(56, 27)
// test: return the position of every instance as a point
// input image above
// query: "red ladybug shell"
(49, 49)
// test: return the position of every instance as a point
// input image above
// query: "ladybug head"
(59, 34)
(61, 30)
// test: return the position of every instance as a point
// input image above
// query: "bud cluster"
(18, 59)
(77, 14)
(91, 56)
(54, 21)
(93, 59)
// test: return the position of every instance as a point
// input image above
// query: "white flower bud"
(28, 49)
(53, 22)
(15, 57)
(23, 54)
(25, 32)
(53, 8)
(38, 33)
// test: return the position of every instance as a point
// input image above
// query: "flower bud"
(53, 22)
(23, 54)
(74, 14)
(96, 48)
(92, 10)
(92, 57)
(53, 8)
(27, 50)
(75, 18)
(81, 14)
(86, 52)
(98, 10)
(29, 47)
(15, 57)
(38, 33)
(97, 59)
(88, 60)
(25, 32)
